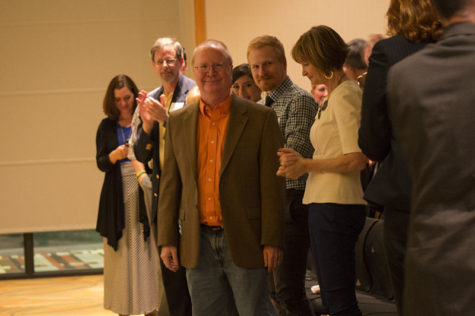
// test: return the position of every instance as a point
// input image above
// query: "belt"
(212, 228)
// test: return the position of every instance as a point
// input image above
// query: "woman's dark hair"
(241, 70)
(322, 47)
(416, 20)
(118, 82)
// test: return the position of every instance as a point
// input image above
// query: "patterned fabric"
(131, 272)
(296, 110)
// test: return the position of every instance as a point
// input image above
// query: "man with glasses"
(296, 110)
(167, 60)
(220, 181)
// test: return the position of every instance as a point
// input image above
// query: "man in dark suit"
(432, 111)
(167, 61)
(220, 181)
(390, 188)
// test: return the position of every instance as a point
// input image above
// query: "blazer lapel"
(237, 122)
(189, 128)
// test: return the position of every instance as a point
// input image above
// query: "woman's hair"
(241, 70)
(118, 82)
(322, 47)
(416, 20)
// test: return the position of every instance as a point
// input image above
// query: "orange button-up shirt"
(212, 124)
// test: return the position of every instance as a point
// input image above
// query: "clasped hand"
(151, 109)
(292, 164)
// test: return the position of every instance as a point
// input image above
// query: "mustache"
(265, 77)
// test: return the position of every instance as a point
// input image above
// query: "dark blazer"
(147, 145)
(251, 195)
(432, 111)
(111, 217)
(391, 185)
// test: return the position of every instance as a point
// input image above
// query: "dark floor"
(369, 304)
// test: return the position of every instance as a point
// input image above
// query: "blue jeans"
(334, 230)
(218, 287)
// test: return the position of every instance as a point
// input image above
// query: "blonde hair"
(268, 41)
(416, 20)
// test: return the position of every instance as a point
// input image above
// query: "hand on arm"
(170, 258)
(292, 165)
(272, 257)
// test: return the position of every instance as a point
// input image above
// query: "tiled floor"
(68, 296)
(55, 260)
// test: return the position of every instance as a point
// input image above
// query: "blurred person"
(244, 85)
(372, 40)
(432, 117)
(155, 106)
(219, 180)
(333, 191)
(319, 92)
(130, 255)
(355, 66)
(412, 24)
(296, 110)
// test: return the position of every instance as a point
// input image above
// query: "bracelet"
(140, 173)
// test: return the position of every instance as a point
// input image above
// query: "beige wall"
(56, 59)
(237, 22)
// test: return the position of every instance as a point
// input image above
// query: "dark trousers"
(176, 291)
(334, 230)
(395, 239)
(287, 283)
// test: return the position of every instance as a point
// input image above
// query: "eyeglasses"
(169, 62)
(205, 68)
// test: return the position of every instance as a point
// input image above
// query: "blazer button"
(155, 194)
(158, 177)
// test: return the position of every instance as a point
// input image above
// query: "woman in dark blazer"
(130, 255)
(412, 24)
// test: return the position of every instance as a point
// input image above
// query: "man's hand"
(157, 110)
(147, 120)
(272, 257)
(170, 258)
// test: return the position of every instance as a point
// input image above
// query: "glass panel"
(12, 259)
(68, 250)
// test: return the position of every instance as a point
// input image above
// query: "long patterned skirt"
(131, 272)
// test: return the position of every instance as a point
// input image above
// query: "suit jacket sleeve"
(144, 143)
(375, 131)
(170, 194)
(272, 187)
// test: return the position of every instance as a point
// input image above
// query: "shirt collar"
(219, 111)
(276, 93)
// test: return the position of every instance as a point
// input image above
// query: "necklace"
(124, 138)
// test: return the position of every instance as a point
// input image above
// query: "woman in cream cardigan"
(333, 190)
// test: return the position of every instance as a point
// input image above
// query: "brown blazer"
(251, 195)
